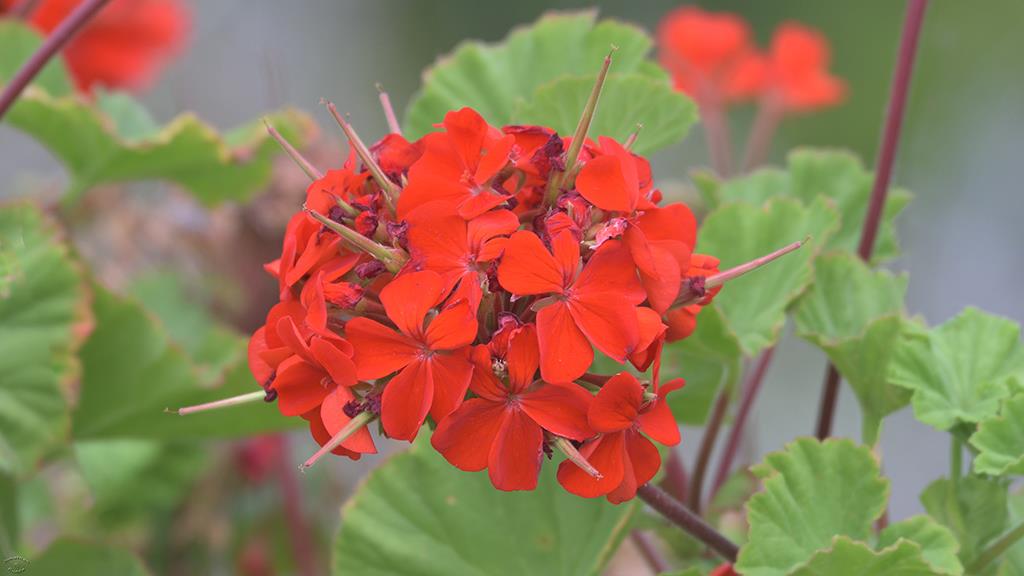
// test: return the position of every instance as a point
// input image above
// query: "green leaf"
(938, 545)
(959, 371)
(10, 525)
(833, 174)
(43, 313)
(854, 315)
(973, 508)
(67, 556)
(1013, 562)
(495, 79)
(710, 359)
(18, 43)
(848, 558)
(754, 305)
(131, 373)
(1000, 440)
(115, 140)
(418, 515)
(813, 491)
(137, 479)
(666, 114)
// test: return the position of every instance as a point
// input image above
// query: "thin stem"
(392, 259)
(716, 136)
(353, 426)
(688, 294)
(291, 496)
(222, 403)
(956, 460)
(707, 446)
(691, 523)
(60, 36)
(628, 144)
(829, 396)
(996, 549)
(307, 166)
(883, 171)
(649, 550)
(676, 481)
(389, 188)
(573, 455)
(769, 114)
(732, 444)
(389, 111)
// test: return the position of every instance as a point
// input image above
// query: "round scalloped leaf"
(938, 545)
(854, 315)
(418, 515)
(43, 314)
(1000, 440)
(66, 556)
(848, 558)
(666, 115)
(813, 492)
(754, 305)
(1013, 560)
(129, 347)
(960, 370)
(494, 79)
(973, 508)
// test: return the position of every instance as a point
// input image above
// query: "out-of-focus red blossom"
(711, 57)
(256, 458)
(622, 452)
(124, 46)
(478, 299)
(723, 570)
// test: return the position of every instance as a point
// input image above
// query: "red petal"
(644, 462)
(337, 364)
(465, 437)
(450, 374)
(437, 239)
(609, 325)
(494, 159)
(617, 404)
(453, 328)
(484, 383)
(523, 357)
(566, 250)
(379, 350)
(477, 201)
(674, 222)
(490, 225)
(528, 268)
(332, 414)
(609, 271)
(610, 182)
(467, 131)
(322, 436)
(299, 386)
(408, 298)
(606, 453)
(261, 370)
(681, 322)
(565, 353)
(515, 456)
(288, 333)
(406, 401)
(560, 409)
(652, 332)
(658, 423)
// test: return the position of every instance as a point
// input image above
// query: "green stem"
(956, 460)
(996, 550)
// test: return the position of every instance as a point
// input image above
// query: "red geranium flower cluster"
(470, 278)
(711, 57)
(123, 46)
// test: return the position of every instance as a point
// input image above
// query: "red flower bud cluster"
(712, 58)
(469, 277)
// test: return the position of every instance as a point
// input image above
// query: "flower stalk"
(389, 188)
(574, 456)
(690, 294)
(390, 257)
(307, 166)
(691, 523)
(353, 426)
(389, 111)
(249, 398)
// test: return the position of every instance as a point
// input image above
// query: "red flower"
(124, 46)
(503, 429)
(709, 55)
(682, 321)
(612, 181)
(595, 305)
(622, 452)
(459, 166)
(433, 373)
(797, 73)
(442, 241)
(724, 569)
(330, 418)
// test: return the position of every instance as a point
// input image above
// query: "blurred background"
(960, 156)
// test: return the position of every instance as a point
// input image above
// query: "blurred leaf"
(66, 556)
(131, 372)
(973, 508)
(813, 492)
(1000, 440)
(137, 479)
(43, 315)
(626, 101)
(418, 515)
(754, 305)
(17, 44)
(10, 525)
(959, 371)
(844, 557)
(114, 140)
(709, 359)
(854, 315)
(939, 547)
(836, 175)
(1013, 561)
(494, 79)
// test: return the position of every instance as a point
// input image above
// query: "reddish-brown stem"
(389, 112)
(716, 135)
(22, 10)
(707, 446)
(732, 443)
(649, 550)
(691, 523)
(676, 480)
(298, 531)
(595, 379)
(60, 36)
(759, 143)
(883, 172)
